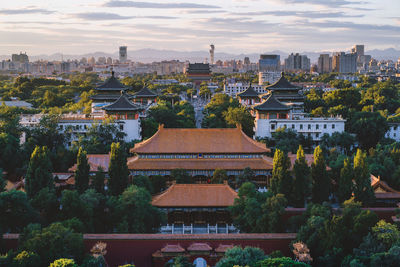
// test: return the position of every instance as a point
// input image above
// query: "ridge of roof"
(195, 140)
(271, 103)
(249, 92)
(121, 104)
(112, 83)
(282, 83)
(144, 92)
(196, 195)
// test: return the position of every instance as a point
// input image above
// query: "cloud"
(327, 3)
(300, 14)
(100, 16)
(117, 3)
(26, 10)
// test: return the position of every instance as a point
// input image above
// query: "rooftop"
(192, 140)
(282, 84)
(249, 92)
(122, 104)
(271, 104)
(144, 92)
(112, 84)
(196, 195)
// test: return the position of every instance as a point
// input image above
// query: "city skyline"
(233, 26)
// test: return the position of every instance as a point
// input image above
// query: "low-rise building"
(232, 89)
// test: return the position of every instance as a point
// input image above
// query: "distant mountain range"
(151, 55)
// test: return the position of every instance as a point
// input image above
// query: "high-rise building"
(324, 63)
(344, 63)
(21, 58)
(358, 49)
(123, 54)
(269, 63)
(212, 48)
(296, 62)
(246, 61)
(109, 61)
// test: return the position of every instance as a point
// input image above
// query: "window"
(121, 127)
(333, 126)
(61, 127)
(324, 126)
(292, 126)
(317, 135)
(301, 126)
(272, 126)
(395, 128)
(317, 126)
(285, 126)
(309, 127)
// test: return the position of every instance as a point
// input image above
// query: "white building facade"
(236, 88)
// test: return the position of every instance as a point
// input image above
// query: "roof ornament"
(112, 72)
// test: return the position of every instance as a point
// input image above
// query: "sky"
(238, 26)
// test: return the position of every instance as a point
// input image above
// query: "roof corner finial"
(112, 72)
(160, 126)
(282, 73)
(239, 126)
(379, 177)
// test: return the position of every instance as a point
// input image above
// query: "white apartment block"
(268, 76)
(308, 126)
(236, 88)
(393, 132)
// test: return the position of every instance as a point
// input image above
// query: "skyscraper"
(296, 62)
(324, 63)
(358, 49)
(212, 48)
(123, 54)
(269, 63)
(344, 63)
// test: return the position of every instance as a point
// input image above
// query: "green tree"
(38, 175)
(10, 153)
(369, 127)
(15, 211)
(144, 182)
(301, 181)
(238, 256)
(26, 259)
(46, 203)
(363, 191)
(181, 176)
(118, 170)
(345, 183)
(82, 171)
(281, 181)
(219, 176)
(64, 263)
(320, 179)
(53, 242)
(179, 261)
(281, 262)
(158, 182)
(135, 213)
(3, 182)
(273, 209)
(240, 116)
(246, 176)
(98, 181)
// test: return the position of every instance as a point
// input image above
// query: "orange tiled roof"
(172, 249)
(199, 247)
(196, 195)
(382, 189)
(227, 140)
(136, 163)
(96, 161)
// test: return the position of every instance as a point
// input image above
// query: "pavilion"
(200, 152)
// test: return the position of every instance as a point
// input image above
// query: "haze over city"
(69, 27)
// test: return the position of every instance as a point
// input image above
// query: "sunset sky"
(77, 27)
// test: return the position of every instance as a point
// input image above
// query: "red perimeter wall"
(138, 248)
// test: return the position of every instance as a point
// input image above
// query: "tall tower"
(123, 54)
(212, 54)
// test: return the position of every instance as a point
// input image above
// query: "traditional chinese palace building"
(198, 72)
(200, 152)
